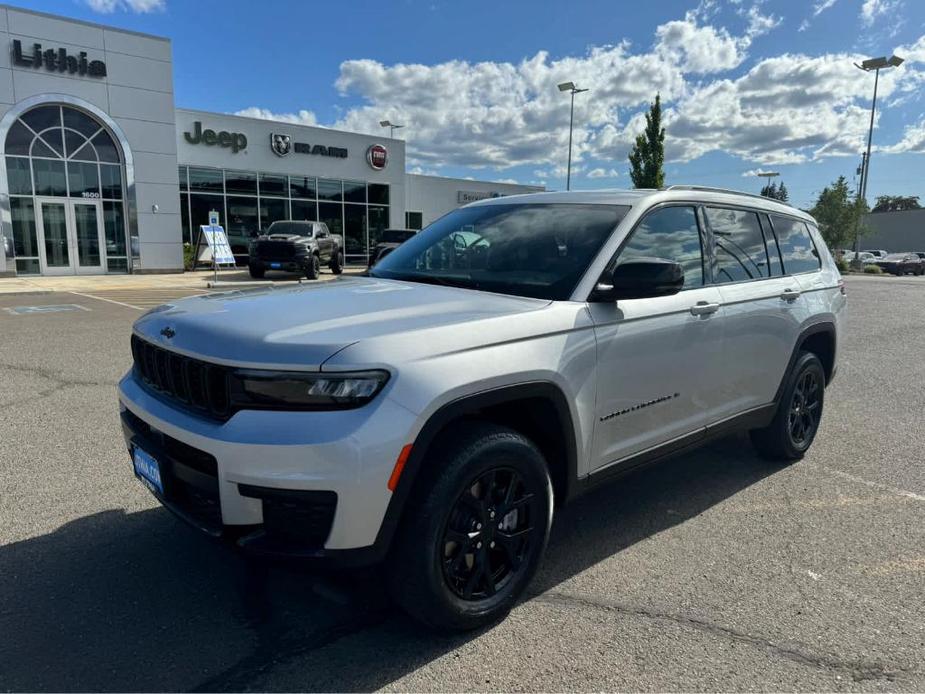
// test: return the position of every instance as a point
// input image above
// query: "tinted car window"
(738, 245)
(796, 245)
(777, 263)
(670, 233)
(300, 228)
(529, 250)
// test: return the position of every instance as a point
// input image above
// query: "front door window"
(70, 237)
(54, 230)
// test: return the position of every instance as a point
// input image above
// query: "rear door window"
(738, 245)
(777, 264)
(796, 245)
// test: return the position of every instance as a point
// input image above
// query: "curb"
(28, 292)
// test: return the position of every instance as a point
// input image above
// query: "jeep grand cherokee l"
(517, 352)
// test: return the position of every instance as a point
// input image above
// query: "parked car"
(388, 242)
(920, 254)
(296, 246)
(866, 258)
(902, 264)
(432, 415)
(877, 253)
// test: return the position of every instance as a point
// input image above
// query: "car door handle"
(790, 294)
(704, 308)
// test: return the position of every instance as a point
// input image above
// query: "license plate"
(147, 470)
(276, 264)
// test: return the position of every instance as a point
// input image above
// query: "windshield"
(296, 228)
(895, 256)
(538, 251)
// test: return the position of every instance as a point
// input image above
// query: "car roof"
(648, 197)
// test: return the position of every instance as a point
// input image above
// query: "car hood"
(301, 326)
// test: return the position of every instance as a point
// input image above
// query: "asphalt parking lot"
(712, 571)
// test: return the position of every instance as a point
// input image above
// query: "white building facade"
(102, 174)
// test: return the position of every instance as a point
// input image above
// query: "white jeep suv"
(431, 414)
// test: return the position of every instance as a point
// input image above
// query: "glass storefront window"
(19, 139)
(273, 185)
(330, 190)
(27, 266)
(241, 182)
(184, 182)
(243, 222)
(378, 194)
(354, 192)
(302, 187)
(42, 117)
(272, 211)
(184, 218)
(305, 210)
(49, 177)
(22, 214)
(81, 122)
(332, 214)
(206, 180)
(414, 220)
(19, 176)
(355, 230)
(117, 265)
(112, 181)
(83, 180)
(114, 225)
(200, 205)
(378, 222)
(105, 147)
(78, 147)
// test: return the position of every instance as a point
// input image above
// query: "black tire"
(256, 272)
(313, 268)
(337, 262)
(794, 427)
(457, 506)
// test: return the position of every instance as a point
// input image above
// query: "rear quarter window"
(797, 249)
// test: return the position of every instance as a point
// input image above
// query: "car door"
(324, 241)
(757, 272)
(658, 358)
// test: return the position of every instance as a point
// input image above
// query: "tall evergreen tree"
(782, 193)
(648, 155)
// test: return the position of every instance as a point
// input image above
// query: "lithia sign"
(57, 60)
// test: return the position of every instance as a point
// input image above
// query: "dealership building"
(101, 173)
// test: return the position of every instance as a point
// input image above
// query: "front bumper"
(296, 264)
(306, 484)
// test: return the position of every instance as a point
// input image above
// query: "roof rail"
(730, 191)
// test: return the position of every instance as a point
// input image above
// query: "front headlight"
(255, 389)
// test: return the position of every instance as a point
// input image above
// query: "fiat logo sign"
(377, 156)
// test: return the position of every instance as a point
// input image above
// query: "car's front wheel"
(313, 267)
(794, 427)
(473, 533)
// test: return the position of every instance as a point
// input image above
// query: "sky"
(746, 85)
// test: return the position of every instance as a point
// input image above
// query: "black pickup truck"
(301, 247)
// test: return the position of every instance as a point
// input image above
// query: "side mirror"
(640, 278)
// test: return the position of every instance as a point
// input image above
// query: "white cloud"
(139, 6)
(303, 117)
(913, 140)
(871, 9)
(601, 172)
(914, 53)
(701, 49)
(822, 6)
(760, 24)
(751, 173)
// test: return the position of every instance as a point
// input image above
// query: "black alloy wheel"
(805, 409)
(488, 534)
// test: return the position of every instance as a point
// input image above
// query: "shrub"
(189, 259)
(873, 270)
(842, 265)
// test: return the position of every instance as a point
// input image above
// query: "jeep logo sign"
(377, 156)
(223, 138)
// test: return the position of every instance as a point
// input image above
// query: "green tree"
(648, 155)
(839, 214)
(775, 192)
(782, 193)
(896, 203)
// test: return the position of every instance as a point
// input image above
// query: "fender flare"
(827, 327)
(462, 407)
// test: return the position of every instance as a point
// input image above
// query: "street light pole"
(391, 126)
(573, 90)
(875, 64)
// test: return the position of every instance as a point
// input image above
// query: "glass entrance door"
(70, 236)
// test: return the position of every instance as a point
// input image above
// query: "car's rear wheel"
(313, 267)
(473, 534)
(256, 272)
(799, 412)
(337, 262)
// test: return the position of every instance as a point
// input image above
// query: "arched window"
(56, 151)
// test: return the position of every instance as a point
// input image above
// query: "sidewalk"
(198, 279)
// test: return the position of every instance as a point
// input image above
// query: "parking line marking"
(869, 483)
(112, 301)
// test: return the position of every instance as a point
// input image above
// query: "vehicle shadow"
(118, 601)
